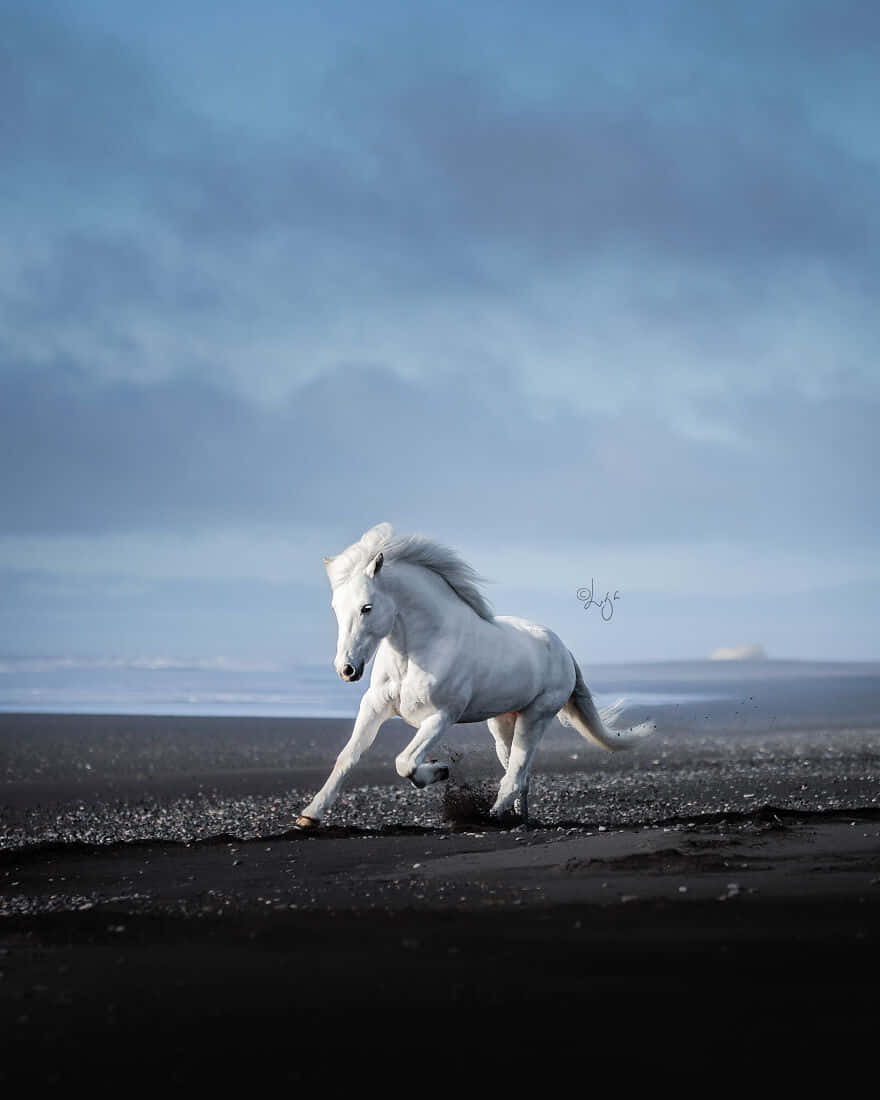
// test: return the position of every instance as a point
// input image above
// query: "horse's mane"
(416, 550)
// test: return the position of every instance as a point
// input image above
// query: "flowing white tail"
(580, 713)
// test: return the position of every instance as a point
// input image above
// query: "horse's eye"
(366, 609)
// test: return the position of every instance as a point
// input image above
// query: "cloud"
(85, 115)
(354, 445)
(733, 182)
(701, 215)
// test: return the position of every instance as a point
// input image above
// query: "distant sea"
(220, 686)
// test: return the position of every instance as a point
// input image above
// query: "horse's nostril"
(348, 670)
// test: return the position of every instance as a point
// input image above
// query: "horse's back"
(534, 635)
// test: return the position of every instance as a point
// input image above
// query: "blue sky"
(584, 291)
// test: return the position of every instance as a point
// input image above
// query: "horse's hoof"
(306, 824)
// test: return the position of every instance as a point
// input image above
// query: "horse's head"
(364, 609)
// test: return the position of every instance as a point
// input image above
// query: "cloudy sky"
(584, 290)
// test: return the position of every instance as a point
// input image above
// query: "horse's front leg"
(371, 714)
(409, 763)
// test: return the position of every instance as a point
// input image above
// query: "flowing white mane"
(416, 550)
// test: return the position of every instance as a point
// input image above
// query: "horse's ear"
(375, 565)
(327, 561)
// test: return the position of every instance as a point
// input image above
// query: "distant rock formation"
(752, 651)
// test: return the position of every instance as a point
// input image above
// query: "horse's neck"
(426, 608)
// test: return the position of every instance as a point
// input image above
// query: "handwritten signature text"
(588, 595)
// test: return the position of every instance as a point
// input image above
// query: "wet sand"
(161, 923)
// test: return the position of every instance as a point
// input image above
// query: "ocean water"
(164, 685)
(219, 686)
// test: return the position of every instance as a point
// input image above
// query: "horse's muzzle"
(350, 674)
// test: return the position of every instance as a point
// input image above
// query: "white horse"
(442, 657)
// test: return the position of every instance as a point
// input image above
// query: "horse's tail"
(580, 713)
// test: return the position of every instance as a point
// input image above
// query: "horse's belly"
(414, 708)
(483, 712)
(489, 704)
(477, 715)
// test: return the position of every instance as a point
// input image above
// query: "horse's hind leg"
(501, 728)
(527, 733)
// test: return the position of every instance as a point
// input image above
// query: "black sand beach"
(160, 921)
